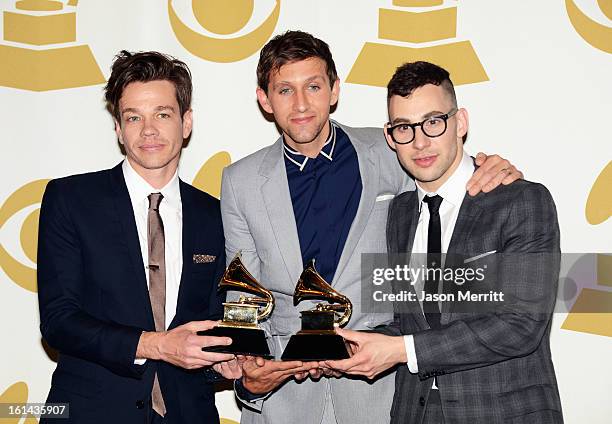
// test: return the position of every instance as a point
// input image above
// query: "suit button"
(139, 404)
(422, 401)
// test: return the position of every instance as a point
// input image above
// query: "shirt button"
(422, 401)
(139, 404)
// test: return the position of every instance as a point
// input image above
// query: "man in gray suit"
(492, 363)
(321, 191)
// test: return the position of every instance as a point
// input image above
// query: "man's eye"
(433, 122)
(403, 128)
(164, 115)
(314, 87)
(133, 118)
(284, 91)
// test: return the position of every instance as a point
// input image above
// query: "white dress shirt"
(171, 211)
(452, 193)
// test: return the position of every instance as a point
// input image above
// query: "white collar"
(300, 159)
(140, 189)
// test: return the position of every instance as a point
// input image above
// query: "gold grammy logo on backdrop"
(582, 316)
(438, 25)
(32, 65)
(28, 195)
(594, 33)
(223, 17)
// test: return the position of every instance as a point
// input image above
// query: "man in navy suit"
(128, 264)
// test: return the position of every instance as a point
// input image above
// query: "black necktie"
(434, 257)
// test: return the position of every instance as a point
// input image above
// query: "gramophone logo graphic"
(425, 30)
(592, 310)
(40, 52)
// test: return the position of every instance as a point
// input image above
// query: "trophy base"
(315, 347)
(245, 341)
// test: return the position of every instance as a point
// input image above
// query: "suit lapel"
(125, 213)
(370, 174)
(469, 214)
(404, 225)
(407, 221)
(189, 214)
(277, 199)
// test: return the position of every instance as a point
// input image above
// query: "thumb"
(350, 335)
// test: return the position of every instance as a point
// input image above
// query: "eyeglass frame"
(414, 126)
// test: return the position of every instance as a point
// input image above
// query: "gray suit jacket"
(258, 220)
(493, 366)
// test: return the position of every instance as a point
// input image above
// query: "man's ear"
(187, 123)
(335, 92)
(118, 131)
(462, 123)
(390, 141)
(263, 100)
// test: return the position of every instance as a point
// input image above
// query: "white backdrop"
(545, 106)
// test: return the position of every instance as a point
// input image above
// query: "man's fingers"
(259, 361)
(196, 326)
(480, 158)
(484, 178)
(343, 364)
(350, 335)
(513, 174)
(504, 172)
(206, 341)
(216, 357)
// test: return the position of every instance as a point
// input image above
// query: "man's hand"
(371, 353)
(182, 347)
(231, 369)
(261, 376)
(493, 170)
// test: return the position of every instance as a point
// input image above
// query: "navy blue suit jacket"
(94, 301)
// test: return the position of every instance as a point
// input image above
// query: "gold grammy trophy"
(240, 318)
(317, 340)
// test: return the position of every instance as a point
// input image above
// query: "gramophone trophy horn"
(317, 340)
(241, 318)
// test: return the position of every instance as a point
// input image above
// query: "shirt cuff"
(413, 366)
(140, 361)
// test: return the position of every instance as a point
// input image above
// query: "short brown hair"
(144, 67)
(292, 46)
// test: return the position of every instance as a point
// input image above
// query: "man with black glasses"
(482, 364)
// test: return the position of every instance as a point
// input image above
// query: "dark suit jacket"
(491, 366)
(94, 301)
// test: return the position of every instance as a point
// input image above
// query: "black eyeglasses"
(435, 126)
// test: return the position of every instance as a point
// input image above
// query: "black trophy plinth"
(245, 341)
(317, 340)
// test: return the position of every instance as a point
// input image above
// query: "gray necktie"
(157, 283)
